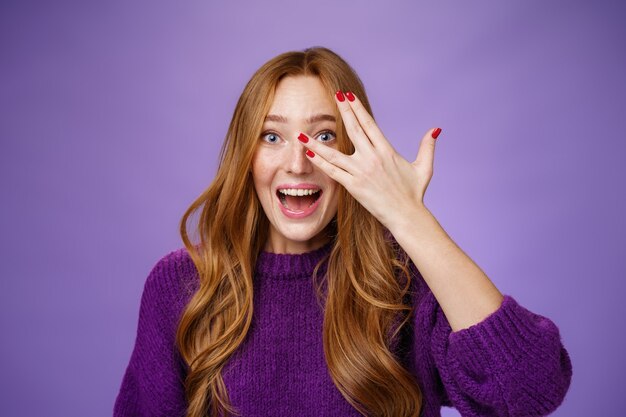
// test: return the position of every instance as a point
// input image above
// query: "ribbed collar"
(291, 266)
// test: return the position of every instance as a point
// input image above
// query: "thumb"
(426, 151)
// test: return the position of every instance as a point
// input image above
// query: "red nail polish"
(436, 133)
(303, 138)
(309, 153)
(350, 95)
(340, 96)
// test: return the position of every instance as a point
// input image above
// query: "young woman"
(321, 285)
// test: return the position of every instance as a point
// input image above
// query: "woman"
(322, 285)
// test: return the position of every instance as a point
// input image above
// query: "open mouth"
(298, 200)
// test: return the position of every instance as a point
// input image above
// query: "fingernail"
(436, 133)
(340, 96)
(309, 153)
(303, 138)
(350, 95)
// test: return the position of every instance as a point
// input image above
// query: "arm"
(495, 358)
(153, 381)
(462, 289)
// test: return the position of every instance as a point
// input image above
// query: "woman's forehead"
(301, 98)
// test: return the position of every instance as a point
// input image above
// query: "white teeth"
(297, 191)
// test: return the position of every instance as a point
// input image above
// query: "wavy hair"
(363, 265)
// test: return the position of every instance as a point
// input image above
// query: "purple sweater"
(511, 364)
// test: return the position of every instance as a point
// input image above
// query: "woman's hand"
(386, 184)
(392, 189)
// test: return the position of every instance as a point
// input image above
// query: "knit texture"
(512, 363)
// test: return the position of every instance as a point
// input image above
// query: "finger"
(355, 132)
(333, 171)
(367, 122)
(330, 155)
(426, 152)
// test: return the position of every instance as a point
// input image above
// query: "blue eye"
(269, 137)
(327, 136)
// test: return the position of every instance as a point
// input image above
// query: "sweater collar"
(292, 266)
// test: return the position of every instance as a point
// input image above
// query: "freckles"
(264, 158)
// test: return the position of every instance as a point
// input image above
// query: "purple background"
(112, 116)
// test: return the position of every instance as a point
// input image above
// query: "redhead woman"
(321, 285)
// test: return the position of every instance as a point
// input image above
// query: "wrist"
(409, 222)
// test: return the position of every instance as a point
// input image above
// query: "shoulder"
(172, 280)
(175, 262)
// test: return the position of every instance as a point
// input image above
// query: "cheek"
(334, 198)
(265, 164)
(258, 169)
(261, 176)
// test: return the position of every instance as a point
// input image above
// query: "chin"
(300, 236)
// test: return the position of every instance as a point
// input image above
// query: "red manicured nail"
(309, 153)
(436, 133)
(303, 138)
(350, 95)
(340, 96)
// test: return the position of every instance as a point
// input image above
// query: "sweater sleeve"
(153, 382)
(512, 363)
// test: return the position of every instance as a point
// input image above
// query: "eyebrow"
(313, 119)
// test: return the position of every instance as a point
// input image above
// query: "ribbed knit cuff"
(514, 356)
(510, 334)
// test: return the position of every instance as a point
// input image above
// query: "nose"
(297, 162)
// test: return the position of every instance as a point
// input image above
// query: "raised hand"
(392, 189)
(386, 184)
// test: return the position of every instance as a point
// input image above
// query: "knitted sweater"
(511, 364)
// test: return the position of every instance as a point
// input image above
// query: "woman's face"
(282, 172)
